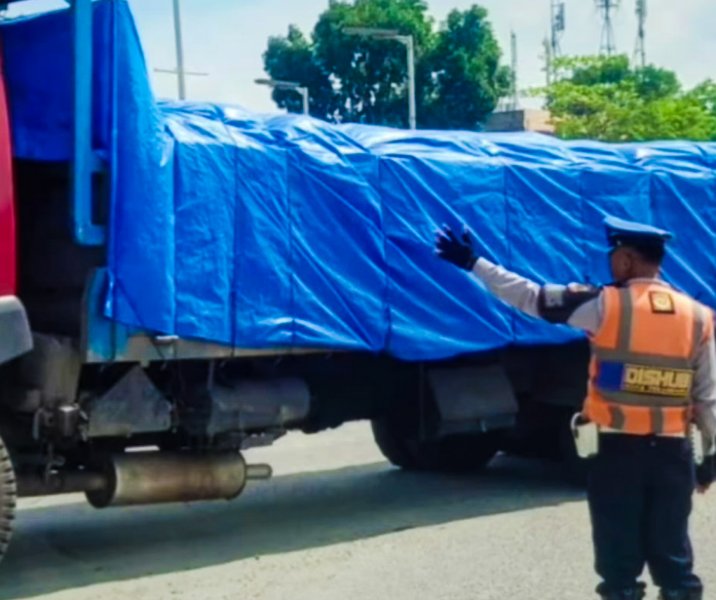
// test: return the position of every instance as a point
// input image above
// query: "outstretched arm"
(577, 305)
(515, 290)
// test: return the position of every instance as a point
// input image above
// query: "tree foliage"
(705, 94)
(358, 79)
(605, 98)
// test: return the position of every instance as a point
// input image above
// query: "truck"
(102, 393)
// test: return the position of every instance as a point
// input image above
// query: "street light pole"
(288, 85)
(409, 43)
(410, 48)
(304, 95)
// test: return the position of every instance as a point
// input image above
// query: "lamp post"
(408, 42)
(287, 85)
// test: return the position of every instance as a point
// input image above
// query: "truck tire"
(8, 497)
(394, 445)
(453, 454)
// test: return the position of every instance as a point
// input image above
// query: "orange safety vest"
(643, 356)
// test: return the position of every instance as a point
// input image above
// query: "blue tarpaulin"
(281, 230)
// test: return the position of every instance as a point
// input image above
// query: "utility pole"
(180, 71)
(181, 77)
(640, 48)
(607, 8)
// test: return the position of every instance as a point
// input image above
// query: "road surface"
(336, 523)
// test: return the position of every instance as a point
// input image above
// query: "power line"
(607, 9)
(640, 47)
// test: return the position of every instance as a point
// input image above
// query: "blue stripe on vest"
(611, 376)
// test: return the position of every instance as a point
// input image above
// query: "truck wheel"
(453, 454)
(466, 453)
(395, 445)
(8, 496)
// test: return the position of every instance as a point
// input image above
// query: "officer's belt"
(611, 431)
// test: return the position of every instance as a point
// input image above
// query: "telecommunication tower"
(552, 47)
(640, 48)
(547, 56)
(557, 26)
(607, 9)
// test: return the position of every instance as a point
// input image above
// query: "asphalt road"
(336, 523)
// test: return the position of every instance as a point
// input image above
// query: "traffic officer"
(652, 373)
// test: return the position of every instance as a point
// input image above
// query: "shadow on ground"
(72, 545)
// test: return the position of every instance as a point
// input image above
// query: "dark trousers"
(640, 491)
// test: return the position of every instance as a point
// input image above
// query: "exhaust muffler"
(159, 477)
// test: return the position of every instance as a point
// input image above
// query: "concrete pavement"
(336, 523)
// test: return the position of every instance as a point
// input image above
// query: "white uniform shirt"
(523, 294)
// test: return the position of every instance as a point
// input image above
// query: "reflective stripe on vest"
(641, 374)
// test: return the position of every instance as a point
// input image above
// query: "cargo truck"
(128, 414)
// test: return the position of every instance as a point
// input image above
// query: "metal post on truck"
(84, 161)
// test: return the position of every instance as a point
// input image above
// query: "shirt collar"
(648, 280)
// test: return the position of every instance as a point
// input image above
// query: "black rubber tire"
(454, 454)
(8, 498)
(395, 447)
(468, 453)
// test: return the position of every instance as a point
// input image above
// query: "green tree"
(604, 98)
(290, 58)
(466, 79)
(705, 94)
(357, 79)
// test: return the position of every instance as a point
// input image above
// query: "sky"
(226, 38)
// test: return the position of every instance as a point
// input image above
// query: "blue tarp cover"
(281, 230)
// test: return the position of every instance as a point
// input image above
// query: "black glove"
(456, 251)
(706, 471)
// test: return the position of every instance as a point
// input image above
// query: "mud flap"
(475, 398)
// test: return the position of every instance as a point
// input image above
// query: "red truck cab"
(15, 337)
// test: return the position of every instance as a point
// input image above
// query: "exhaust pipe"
(158, 477)
(55, 483)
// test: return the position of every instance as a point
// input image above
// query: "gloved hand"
(458, 251)
(706, 473)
